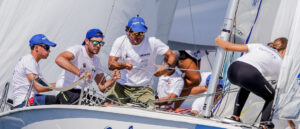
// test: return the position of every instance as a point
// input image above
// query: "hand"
(218, 38)
(194, 112)
(88, 76)
(161, 71)
(116, 75)
(127, 65)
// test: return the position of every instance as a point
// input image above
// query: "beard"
(93, 51)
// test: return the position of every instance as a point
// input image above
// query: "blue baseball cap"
(220, 82)
(39, 39)
(137, 24)
(93, 33)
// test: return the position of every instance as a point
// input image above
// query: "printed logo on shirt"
(267, 51)
(146, 54)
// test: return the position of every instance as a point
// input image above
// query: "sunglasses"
(137, 33)
(46, 47)
(101, 43)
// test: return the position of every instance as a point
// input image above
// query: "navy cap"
(39, 39)
(93, 33)
(137, 24)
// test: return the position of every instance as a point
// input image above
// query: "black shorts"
(72, 97)
(69, 97)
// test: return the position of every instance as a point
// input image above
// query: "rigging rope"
(197, 96)
(109, 17)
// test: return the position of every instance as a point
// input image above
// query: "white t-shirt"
(141, 56)
(199, 102)
(204, 76)
(266, 59)
(197, 54)
(169, 85)
(26, 65)
(84, 63)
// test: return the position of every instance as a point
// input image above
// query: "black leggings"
(250, 80)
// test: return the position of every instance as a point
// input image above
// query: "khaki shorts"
(126, 94)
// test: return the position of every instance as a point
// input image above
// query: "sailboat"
(66, 22)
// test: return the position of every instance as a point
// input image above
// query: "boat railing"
(27, 97)
(3, 101)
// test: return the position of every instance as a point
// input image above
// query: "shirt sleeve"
(74, 50)
(252, 47)
(118, 46)
(30, 66)
(159, 47)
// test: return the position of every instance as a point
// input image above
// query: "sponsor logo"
(130, 127)
(146, 54)
(298, 79)
(254, 3)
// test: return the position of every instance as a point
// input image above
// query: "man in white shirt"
(202, 88)
(134, 54)
(79, 60)
(27, 69)
(169, 87)
(189, 59)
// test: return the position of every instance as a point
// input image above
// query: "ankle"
(236, 117)
(262, 126)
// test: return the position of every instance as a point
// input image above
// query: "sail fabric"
(287, 104)
(66, 22)
(197, 23)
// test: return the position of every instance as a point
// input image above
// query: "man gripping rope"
(80, 60)
(134, 54)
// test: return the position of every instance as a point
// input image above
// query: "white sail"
(288, 98)
(196, 24)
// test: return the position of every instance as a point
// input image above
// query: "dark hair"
(283, 43)
(31, 47)
(128, 29)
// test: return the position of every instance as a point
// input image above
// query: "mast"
(220, 56)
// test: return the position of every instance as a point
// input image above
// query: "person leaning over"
(134, 54)
(27, 69)
(79, 60)
(252, 71)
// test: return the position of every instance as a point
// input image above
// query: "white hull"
(79, 117)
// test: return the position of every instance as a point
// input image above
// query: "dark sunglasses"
(101, 43)
(46, 47)
(137, 33)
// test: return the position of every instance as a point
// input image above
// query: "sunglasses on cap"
(101, 43)
(137, 33)
(46, 47)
